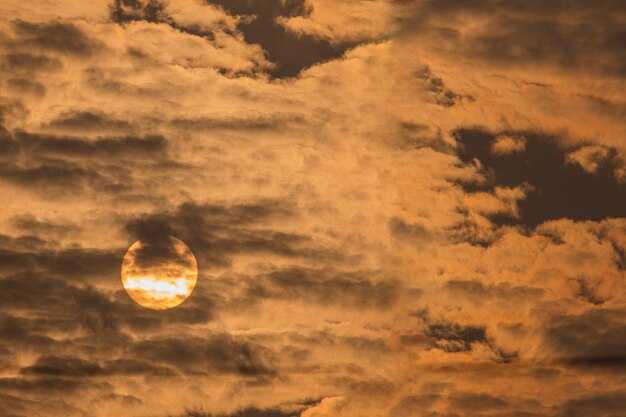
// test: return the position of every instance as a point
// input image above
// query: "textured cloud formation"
(398, 208)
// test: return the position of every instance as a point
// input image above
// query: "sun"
(159, 273)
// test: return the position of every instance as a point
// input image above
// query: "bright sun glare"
(159, 276)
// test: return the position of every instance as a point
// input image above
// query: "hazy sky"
(399, 208)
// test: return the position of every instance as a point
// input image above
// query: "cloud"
(218, 232)
(276, 122)
(104, 147)
(88, 121)
(218, 353)
(509, 35)
(353, 21)
(244, 412)
(606, 404)
(398, 208)
(189, 16)
(590, 339)
(477, 292)
(60, 37)
(588, 158)
(454, 338)
(325, 287)
(22, 62)
(25, 86)
(504, 144)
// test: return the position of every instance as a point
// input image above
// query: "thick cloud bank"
(398, 208)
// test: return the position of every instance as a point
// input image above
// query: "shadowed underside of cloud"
(69, 164)
(571, 35)
(356, 289)
(219, 354)
(289, 52)
(253, 412)
(113, 147)
(593, 339)
(440, 401)
(60, 37)
(218, 232)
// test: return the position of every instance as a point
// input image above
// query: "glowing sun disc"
(159, 275)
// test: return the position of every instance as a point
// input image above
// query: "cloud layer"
(398, 208)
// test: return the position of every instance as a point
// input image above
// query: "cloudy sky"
(399, 208)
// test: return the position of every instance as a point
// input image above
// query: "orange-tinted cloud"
(401, 208)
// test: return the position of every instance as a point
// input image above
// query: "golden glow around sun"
(159, 275)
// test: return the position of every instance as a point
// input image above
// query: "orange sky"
(398, 208)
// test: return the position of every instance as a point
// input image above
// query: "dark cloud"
(219, 353)
(572, 35)
(58, 36)
(153, 11)
(97, 312)
(271, 123)
(9, 148)
(26, 255)
(130, 10)
(24, 62)
(25, 333)
(245, 412)
(588, 292)
(619, 248)
(64, 305)
(53, 177)
(56, 287)
(442, 95)
(49, 366)
(56, 174)
(56, 163)
(158, 250)
(26, 87)
(414, 233)
(89, 121)
(123, 399)
(476, 402)
(62, 366)
(468, 231)
(621, 257)
(290, 52)
(609, 404)
(33, 226)
(452, 337)
(560, 189)
(44, 385)
(596, 338)
(281, 410)
(120, 147)
(216, 233)
(449, 336)
(477, 292)
(357, 289)
(107, 315)
(417, 136)
(108, 82)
